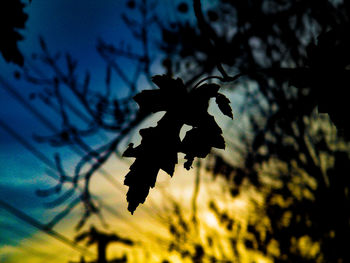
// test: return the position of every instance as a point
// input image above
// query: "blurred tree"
(12, 18)
(295, 56)
(293, 158)
(294, 168)
(303, 42)
(102, 240)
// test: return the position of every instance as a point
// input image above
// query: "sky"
(68, 26)
(74, 27)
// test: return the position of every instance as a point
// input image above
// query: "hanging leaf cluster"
(161, 144)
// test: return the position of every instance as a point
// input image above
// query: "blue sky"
(66, 26)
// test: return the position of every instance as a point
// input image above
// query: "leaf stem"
(222, 79)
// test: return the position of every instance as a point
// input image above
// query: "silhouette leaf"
(165, 98)
(199, 141)
(224, 105)
(161, 144)
(158, 150)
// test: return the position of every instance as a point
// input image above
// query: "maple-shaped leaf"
(197, 101)
(158, 150)
(170, 92)
(224, 105)
(150, 101)
(199, 141)
(160, 145)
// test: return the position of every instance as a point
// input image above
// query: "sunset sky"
(74, 26)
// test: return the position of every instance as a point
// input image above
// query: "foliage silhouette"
(12, 18)
(300, 172)
(295, 76)
(160, 145)
(269, 37)
(329, 59)
(283, 135)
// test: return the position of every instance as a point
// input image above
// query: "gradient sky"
(68, 26)
(72, 26)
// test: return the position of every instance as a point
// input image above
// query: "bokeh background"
(279, 192)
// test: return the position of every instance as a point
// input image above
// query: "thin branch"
(195, 193)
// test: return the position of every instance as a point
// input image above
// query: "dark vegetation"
(12, 18)
(289, 62)
(102, 240)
